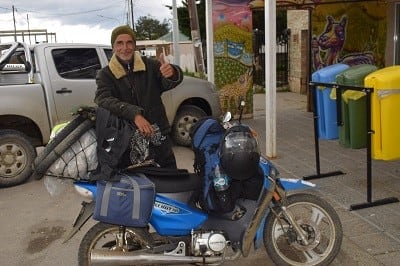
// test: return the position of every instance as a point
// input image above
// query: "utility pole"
(15, 28)
(29, 31)
(132, 20)
(195, 31)
(175, 33)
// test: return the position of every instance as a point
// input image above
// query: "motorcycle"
(296, 228)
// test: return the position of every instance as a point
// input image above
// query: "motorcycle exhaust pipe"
(106, 257)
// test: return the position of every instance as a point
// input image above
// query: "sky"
(76, 21)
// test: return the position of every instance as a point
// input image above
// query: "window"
(76, 63)
(13, 58)
(108, 53)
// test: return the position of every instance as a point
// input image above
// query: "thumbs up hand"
(166, 69)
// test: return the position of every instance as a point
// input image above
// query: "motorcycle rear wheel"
(318, 220)
(103, 236)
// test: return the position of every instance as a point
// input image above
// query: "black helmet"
(239, 153)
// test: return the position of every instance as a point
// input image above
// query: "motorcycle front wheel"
(108, 237)
(320, 225)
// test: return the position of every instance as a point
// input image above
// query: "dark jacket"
(125, 98)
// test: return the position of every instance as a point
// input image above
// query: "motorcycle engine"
(208, 243)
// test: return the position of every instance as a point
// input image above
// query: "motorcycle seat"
(171, 180)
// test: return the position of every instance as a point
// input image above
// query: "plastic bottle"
(221, 180)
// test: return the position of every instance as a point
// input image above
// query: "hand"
(166, 69)
(143, 125)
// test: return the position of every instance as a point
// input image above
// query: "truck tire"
(185, 118)
(58, 138)
(16, 156)
(53, 153)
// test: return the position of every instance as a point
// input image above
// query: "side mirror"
(242, 103)
(227, 117)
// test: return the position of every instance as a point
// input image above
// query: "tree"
(184, 19)
(148, 28)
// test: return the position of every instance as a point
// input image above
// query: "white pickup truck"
(41, 85)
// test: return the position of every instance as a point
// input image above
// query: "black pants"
(162, 155)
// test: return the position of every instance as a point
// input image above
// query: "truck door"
(72, 77)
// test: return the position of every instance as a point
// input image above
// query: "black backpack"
(113, 139)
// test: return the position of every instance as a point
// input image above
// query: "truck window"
(16, 61)
(108, 53)
(76, 63)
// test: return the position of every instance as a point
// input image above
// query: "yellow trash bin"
(385, 107)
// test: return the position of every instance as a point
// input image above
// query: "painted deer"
(233, 91)
(331, 42)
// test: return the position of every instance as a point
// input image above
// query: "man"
(130, 87)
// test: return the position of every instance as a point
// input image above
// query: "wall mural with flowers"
(233, 53)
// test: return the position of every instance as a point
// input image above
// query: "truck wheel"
(16, 156)
(184, 119)
(55, 152)
(58, 138)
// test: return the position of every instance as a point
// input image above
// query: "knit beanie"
(124, 29)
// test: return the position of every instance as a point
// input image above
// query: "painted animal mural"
(231, 93)
(331, 42)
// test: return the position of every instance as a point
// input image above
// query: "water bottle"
(221, 186)
(221, 180)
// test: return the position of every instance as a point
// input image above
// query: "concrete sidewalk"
(33, 222)
(371, 235)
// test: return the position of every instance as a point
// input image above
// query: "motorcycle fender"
(83, 216)
(295, 184)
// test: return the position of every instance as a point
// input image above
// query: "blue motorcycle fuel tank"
(173, 218)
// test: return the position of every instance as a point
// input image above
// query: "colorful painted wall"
(233, 53)
(349, 33)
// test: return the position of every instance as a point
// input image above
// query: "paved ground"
(371, 235)
(33, 222)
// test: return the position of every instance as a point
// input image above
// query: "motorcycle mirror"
(227, 117)
(242, 103)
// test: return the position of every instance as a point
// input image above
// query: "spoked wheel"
(108, 237)
(321, 231)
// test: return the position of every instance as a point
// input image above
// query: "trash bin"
(325, 106)
(353, 132)
(385, 112)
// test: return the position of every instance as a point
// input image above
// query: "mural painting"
(233, 53)
(349, 33)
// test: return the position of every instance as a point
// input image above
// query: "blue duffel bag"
(126, 202)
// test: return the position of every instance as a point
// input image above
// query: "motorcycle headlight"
(268, 168)
(273, 172)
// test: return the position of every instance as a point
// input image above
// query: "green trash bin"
(353, 132)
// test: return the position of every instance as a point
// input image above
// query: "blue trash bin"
(325, 106)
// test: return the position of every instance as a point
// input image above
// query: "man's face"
(124, 47)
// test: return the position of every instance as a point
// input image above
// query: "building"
(165, 43)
